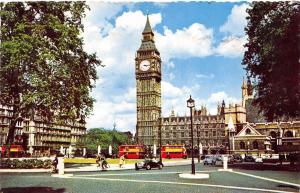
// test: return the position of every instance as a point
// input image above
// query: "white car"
(258, 159)
(209, 159)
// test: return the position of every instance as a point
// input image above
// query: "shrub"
(25, 163)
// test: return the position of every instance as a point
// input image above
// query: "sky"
(201, 47)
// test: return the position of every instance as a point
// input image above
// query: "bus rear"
(132, 151)
(174, 151)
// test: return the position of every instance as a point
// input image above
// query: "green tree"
(104, 138)
(44, 68)
(272, 57)
(253, 114)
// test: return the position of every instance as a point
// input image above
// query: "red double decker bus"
(15, 150)
(173, 151)
(132, 151)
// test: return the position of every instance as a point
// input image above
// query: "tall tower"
(244, 92)
(148, 92)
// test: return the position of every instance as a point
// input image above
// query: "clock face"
(145, 65)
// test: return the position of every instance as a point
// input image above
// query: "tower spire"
(147, 28)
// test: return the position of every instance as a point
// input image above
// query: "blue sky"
(201, 46)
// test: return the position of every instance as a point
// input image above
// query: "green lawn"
(93, 161)
(110, 161)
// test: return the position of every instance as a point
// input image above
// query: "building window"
(288, 134)
(206, 133)
(182, 134)
(273, 134)
(255, 145)
(214, 133)
(242, 145)
(248, 131)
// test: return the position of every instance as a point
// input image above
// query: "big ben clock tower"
(148, 84)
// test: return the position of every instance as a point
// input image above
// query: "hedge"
(25, 163)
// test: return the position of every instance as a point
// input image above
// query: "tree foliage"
(43, 65)
(272, 57)
(253, 114)
(104, 138)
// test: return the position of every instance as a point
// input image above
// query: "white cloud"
(117, 48)
(194, 41)
(171, 76)
(121, 111)
(175, 98)
(116, 44)
(231, 46)
(205, 76)
(169, 64)
(236, 21)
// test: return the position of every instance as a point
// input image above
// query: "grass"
(110, 161)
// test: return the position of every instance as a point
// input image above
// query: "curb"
(94, 169)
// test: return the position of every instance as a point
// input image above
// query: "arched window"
(273, 134)
(288, 134)
(242, 145)
(255, 145)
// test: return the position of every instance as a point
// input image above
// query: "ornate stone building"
(210, 129)
(42, 136)
(260, 138)
(228, 130)
(148, 84)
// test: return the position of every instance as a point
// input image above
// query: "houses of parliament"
(228, 130)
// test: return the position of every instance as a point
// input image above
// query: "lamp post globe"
(191, 105)
(190, 102)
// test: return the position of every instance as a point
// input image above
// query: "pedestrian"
(98, 160)
(102, 159)
(122, 161)
(54, 164)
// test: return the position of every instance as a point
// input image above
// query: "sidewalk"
(93, 167)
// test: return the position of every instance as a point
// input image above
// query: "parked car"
(218, 160)
(237, 158)
(148, 164)
(209, 159)
(259, 160)
(230, 159)
(249, 158)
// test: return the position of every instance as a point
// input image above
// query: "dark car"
(237, 158)
(148, 164)
(249, 158)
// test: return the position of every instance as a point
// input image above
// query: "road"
(153, 181)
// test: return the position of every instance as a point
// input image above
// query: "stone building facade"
(43, 137)
(260, 138)
(210, 129)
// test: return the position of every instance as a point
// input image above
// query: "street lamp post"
(191, 105)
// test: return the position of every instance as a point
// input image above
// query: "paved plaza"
(165, 180)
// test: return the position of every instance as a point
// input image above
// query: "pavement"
(94, 167)
(166, 180)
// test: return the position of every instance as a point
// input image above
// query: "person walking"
(98, 160)
(54, 164)
(102, 159)
(122, 161)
